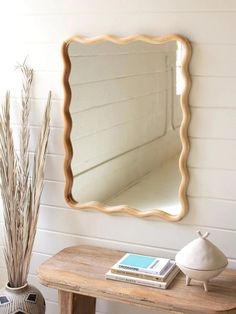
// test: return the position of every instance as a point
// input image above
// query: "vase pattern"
(24, 300)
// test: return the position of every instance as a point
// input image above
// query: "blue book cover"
(138, 261)
(142, 263)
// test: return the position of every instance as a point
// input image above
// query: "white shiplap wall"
(37, 28)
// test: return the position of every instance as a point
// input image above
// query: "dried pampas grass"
(21, 192)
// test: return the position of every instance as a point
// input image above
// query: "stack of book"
(144, 270)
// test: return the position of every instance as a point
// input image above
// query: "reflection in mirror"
(126, 117)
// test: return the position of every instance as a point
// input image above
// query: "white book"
(144, 282)
(145, 275)
(141, 263)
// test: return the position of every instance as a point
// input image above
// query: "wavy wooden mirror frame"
(184, 101)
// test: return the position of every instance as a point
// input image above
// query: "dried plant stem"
(20, 193)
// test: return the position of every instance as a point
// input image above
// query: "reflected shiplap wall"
(39, 27)
(124, 117)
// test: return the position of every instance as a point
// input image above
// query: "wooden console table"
(79, 275)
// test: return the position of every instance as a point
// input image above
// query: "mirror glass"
(126, 117)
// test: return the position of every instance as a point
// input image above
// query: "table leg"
(72, 303)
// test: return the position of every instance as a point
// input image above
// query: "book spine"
(138, 269)
(138, 275)
(138, 281)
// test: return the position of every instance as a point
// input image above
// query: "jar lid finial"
(203, 236)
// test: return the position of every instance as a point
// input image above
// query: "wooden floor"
(80, 271)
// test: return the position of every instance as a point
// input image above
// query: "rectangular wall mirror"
(126, 118)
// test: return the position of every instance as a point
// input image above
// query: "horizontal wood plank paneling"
(204, 212)
(213, 92)
(46, 80)
(138, 48)
(37, 111)
(205, 153)
(54, 168)
(130, 89)
(213, 154)
(99, 68)
(126, 168)
(111, 115)
(108, 143)
(49, 242)
(53, 191)
(49, 29)
(34, 7)
(55, 142)
(209, 60)
(219, 184)
(210, 25)
(215, 124)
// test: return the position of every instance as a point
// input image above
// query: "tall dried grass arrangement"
(21, 190)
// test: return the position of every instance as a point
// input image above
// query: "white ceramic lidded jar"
(201, 260)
